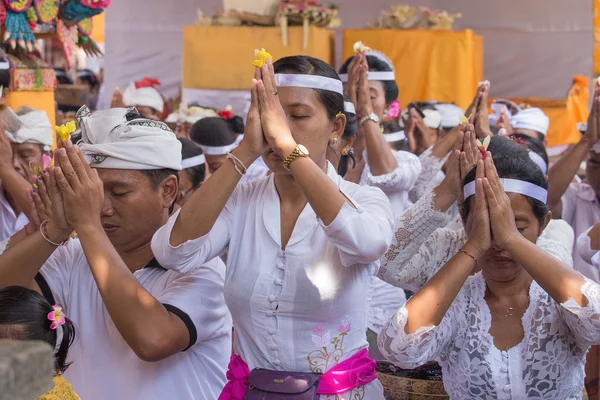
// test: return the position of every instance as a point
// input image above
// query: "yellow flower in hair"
(65, 131)
(260, 57)
(360, 47)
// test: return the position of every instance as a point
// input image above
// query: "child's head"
(24, 315)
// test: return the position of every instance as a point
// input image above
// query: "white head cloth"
(377, 75)
(539, 161)
(498, 105)
(193, 161)
(190, 115)
(394, 136)
(108, 140)
(450, 114)
(432, 119)
(513, 186)
(309, 81)
(33, 127)
(219, 150)
(349, 107)
(146, 97)
(531, 118)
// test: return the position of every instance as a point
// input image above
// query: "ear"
(339, 124)
(168, 191)
(546, 222)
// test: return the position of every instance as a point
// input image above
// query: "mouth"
(109, 228)
(501, 261)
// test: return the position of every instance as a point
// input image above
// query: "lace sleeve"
(431, 174)
(584, 322)
(402, 178)
(419, 248)
(3, 245)
(427, 344)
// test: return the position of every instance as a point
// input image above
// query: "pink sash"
(352, 373)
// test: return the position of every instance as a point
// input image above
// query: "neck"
(509, 289)
(138, 258)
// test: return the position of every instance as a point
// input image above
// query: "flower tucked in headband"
(483, 146)
(360, 47)
(227, 113)
(57, 317)
(65, 131)
(260, 57)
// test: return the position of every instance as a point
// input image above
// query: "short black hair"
(214, 131)
(512, 161)
(306, 65)
(197, 173)
(157, 176)
(378, 65)
(392, 126)
(24, 316)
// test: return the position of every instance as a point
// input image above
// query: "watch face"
(303, 150)
(374, 117)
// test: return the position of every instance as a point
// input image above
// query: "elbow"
(152, 350)
(374, 251)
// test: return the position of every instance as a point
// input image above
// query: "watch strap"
(292, 157)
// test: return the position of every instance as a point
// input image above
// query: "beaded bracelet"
(45, 235)
(469, 254)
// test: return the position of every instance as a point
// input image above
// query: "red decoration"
(2, 13)
(483, 152)
(225, 114)
(519, 140)
(147, 82)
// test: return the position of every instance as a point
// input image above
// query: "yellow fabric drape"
(98, 28)
(220, 57)
(430, 65)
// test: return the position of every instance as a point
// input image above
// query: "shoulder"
(405, 156)
(582, 191)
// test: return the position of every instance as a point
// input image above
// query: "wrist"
(474, 249)
(246, 156)
(513, 241)
(55, 234)
(286, 149)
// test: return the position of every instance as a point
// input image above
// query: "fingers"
(63, 183)
(43, 191)
(490, 194)
(68, 170)
(257, 73)
(253, 96)
(465, 166)
(272, 74)
(268, 79)
(458, 144)
(262, 96)
(35, 217)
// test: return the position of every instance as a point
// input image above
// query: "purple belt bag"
(264, 384)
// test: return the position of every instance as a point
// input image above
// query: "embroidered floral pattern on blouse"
(330, 349)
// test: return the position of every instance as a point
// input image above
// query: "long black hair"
(24, 316)
(378, 65)
(306, 65)
(349, 132)
(512, 161)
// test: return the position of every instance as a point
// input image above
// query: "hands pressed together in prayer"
(478, 110)
(357, 87)
(70, 195)
(266, 125)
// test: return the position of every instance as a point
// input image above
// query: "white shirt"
(581, 210)
(105, 367)
(548, 364)
(385, 299)
(304, 308)
(9, 222)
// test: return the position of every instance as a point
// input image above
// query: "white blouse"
(548, 364)
(302, 308)
(385, 299)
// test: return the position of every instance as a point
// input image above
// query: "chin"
(274, 162)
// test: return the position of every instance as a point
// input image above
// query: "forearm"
(21, 262)
(17, 186)
(561, 174)
(141, 319)
(557, 279)
(445, 196)
(379, 154)
(429, 305)
(445, 144)
(200, 213)
(322, 193)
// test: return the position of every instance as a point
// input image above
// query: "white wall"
(532, 47)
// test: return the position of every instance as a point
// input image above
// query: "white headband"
(394, 136)
(219, 150)
(349, 107)
(513, 186)
(193, 161)
(539, 161)
(374, 76)
(309, 81)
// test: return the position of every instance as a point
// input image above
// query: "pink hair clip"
(56, 316)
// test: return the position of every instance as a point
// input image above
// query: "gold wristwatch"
(299, 151)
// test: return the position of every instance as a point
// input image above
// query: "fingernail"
(39, 178)
(45, 172)
(33, 191)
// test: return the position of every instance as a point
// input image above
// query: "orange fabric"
(596, 37)
(98, 28)
(564, 114)
(38, 100)
(220, 57)
(430, 65)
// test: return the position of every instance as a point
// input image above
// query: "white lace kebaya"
(547, 364)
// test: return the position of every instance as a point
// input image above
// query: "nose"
(16, 162)
(107, 208)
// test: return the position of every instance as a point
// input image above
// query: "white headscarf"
(190, 115)
(146, 96)
(450, 114)
(531, 118)
(33, 127)
(108, 140)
